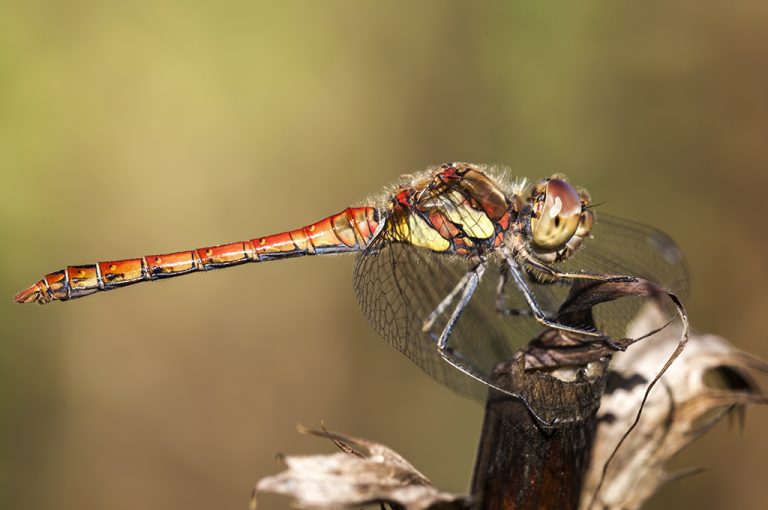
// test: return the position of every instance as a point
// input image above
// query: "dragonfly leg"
(456, 361)
(445, 303)
(537, 312)
(467, 286)
(556, 273)
(501, 306)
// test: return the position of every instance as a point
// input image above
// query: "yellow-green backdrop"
(140, 127)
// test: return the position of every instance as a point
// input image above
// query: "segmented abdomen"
(348, 231)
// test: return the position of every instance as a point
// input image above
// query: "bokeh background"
(146, 127)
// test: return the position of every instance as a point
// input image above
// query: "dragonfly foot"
(611, 344)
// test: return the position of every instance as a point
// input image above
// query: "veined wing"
(398, 286)
(624, 247)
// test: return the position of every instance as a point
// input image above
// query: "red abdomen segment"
(348, 231)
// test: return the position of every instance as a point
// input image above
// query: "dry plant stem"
(521, 466)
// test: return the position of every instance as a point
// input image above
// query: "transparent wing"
(624, 247)
(620, 246)
(398, 286)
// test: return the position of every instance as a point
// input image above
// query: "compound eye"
(556, 215)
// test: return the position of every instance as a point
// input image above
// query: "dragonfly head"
(560, 219)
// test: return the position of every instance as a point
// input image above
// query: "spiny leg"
(501, 305)
(453, 359)
(467, 287)
(445, 303)
(538, 313)
(556, 273)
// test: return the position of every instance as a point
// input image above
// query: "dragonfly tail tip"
(32, 294)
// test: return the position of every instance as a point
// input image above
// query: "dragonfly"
(457, 267)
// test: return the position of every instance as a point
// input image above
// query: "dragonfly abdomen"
(348, 231)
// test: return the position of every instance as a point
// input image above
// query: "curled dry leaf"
(684, 405)
(555, 348)
(364, 473)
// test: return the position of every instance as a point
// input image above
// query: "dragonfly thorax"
(459, 209)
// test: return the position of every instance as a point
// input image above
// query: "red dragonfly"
(435, 261)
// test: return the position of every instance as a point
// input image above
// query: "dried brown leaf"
(378, 475)
(682, 407)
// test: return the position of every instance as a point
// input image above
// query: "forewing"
(624, 247)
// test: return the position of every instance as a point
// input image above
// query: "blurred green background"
(146, 127)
